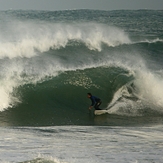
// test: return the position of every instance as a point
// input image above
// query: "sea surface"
(50, 60)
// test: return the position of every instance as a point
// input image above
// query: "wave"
(27, 39)
(82, 72)
(42, 62)
(124, 92)
(36, 70)
(149, 41)
(29, 51)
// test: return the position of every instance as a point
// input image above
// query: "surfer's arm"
(93, 102)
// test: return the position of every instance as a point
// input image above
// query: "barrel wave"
(48, 65)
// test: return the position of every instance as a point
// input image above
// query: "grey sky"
(80, 4)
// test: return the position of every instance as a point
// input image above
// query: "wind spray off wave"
(27, 39)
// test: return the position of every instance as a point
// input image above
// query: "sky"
(80, 4)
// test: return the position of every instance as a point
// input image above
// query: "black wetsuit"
(96, 102)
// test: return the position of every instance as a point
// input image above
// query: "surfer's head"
(89, 95)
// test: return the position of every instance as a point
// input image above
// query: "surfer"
(96, 102)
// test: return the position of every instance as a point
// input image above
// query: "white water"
(70, 144)
(147, 93)
(25, 39)
(147, 88)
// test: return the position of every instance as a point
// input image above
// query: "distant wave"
(25, 39)
(28, 39)
(149, 41)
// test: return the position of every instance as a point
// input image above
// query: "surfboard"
(100, 112)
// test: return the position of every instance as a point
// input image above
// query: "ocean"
(50, 60)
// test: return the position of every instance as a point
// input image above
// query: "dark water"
(50, 60)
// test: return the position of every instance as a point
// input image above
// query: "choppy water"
(49, 60)
(71, 144)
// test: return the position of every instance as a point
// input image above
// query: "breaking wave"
(52, 65)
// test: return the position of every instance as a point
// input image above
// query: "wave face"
(50, 60)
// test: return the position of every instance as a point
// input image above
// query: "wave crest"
(28, 38)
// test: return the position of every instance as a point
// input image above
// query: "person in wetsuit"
(96, 102)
